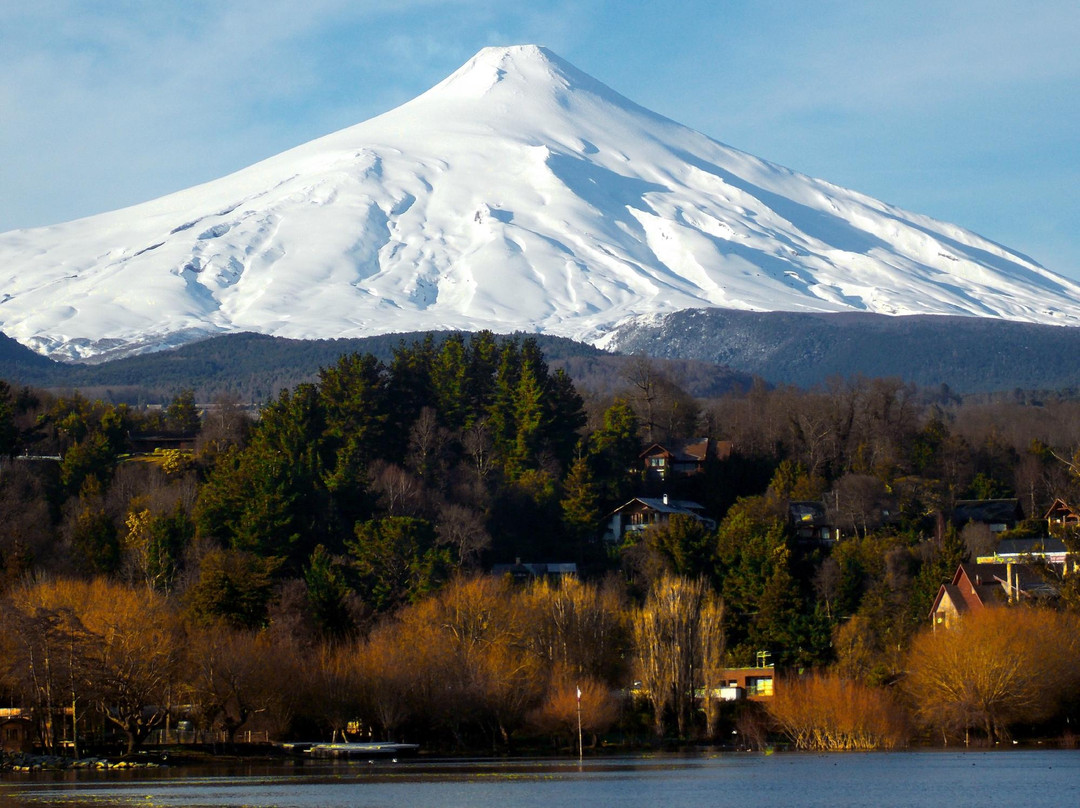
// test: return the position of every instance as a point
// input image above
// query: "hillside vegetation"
(330, 565)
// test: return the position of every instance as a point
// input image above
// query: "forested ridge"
(326, 566)
(970, 354)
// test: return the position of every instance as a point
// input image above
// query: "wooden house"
(641, 513)
(665, 462)
(1061, 515)
(16, 731)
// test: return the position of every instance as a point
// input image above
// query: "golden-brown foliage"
(558, 715)
(576, 626)
(828, 713)
(993, 669)
(130, 643)
(667, 633)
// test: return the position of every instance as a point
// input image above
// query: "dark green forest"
(347, 530)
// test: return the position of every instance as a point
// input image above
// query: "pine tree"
(580, 501)
(449, 383)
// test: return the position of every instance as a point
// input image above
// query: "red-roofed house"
(666, 462)
(978, 586)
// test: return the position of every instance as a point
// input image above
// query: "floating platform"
(370, 750)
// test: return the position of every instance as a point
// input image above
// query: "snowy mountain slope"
(517, 194)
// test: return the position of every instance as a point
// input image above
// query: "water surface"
(1030, 779)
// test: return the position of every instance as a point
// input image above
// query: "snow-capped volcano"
(517, 194)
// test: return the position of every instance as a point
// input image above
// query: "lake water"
(1018, 779)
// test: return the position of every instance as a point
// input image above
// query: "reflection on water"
(1020, 778)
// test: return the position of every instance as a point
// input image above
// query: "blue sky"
(965, 110)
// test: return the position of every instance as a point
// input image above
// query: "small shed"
(16, 734)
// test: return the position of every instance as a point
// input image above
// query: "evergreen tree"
(92, 457)
(233, 586)
(613, 453)
(9, 433)
(688, 547)
(566, 417)
(182, 415)
(95, 547)
(501, 415)
(530, 419)
(270, 498)
(482, 358)
(409, 384)
(581, 514)
(395, 560)
(327, 595)
(449, 383)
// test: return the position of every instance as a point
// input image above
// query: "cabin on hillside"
(641, 513)
(524, 572)
(809, 521)
(1061, 515)
(998, 515)
(662, 462)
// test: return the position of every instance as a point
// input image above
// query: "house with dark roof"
(997, 514)
(980, 586)
(523, 572)
(1047, 549)
(16, 730)
(809, 521)
(665, 462)
(641, 513)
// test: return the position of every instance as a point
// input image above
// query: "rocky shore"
(22, 762)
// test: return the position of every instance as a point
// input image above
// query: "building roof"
(694, 451)
(986, 511)
(807, 512)
(1041, 546)
(664, 505)
(976, 586)
(1060, 506)
(534, 570)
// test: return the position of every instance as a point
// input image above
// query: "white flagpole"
(580, 745)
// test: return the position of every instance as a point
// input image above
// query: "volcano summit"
(517, 194)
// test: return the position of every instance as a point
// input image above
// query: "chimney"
(665, 499)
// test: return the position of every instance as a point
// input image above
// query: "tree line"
(347, 534)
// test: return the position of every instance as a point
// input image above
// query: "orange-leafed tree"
(597, 706)
(994, 669)
(131, 657)
(665, 632)
(830, 713)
